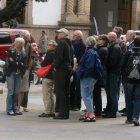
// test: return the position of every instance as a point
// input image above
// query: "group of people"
(81, 70)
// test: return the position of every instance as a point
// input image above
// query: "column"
(70, 4)
(3, 3)
(29, 11)
(81, 7)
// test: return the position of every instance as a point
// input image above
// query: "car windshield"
(17, 34)
(5, 38)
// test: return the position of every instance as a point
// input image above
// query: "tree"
(14, 9)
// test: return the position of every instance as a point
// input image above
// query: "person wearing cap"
(42, 44)
(102, 51)
(48, 83)
(75, 92)
(63, 63)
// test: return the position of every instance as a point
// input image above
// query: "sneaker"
(43, 115)
(135, 122)
(128, 122)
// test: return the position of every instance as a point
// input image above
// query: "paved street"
(30, 127)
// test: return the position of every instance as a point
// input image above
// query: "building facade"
(78, 14)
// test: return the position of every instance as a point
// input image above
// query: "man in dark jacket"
(79, 49)
(132, 94)
(63, 63)
(114, 76)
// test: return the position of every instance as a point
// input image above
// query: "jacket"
(14, 66)
(48, 61)
(86, 65)
(124, 66)
(114, 59)
(80, 51)
(64, 55)
(103, 55)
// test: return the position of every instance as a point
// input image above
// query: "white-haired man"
(130, 36)
(114, 76)
(24, 88)
(79, 49)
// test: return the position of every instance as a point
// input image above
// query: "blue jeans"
(113, 92)
(132, 98)
(87, 86)
(13, 84)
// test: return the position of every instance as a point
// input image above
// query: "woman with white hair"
(15, 70)
(87, 74)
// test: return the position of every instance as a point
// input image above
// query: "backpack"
(133, 66)
(97, 67)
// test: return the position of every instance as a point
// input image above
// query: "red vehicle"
(7, 37)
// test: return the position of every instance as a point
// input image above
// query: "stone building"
(78, 14)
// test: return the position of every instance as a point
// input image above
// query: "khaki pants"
(48, 95)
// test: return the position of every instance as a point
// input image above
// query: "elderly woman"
(47, 82)
(87, 72)
(15, 71)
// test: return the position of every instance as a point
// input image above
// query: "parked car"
(7, 37)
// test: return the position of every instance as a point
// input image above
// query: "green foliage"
(14, 9)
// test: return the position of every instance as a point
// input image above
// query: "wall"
(100, 9)
(48, 13)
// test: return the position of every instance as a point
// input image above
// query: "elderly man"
(79, 49)
(119, 31)
(130, 36)
(63, 63)
(114, 76)
(24, 88)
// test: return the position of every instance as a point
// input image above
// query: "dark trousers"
(132, 98)
(62, 83)
(75, 93)
(97, 99)
(113, 92)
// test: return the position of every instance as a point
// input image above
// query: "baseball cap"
(63, 30)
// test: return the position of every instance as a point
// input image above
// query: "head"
(51, 45)
(103, 40)
(19, 43)
(25, 35)
(130, 35)
(137, 42)
(112, 37)
(90, 41)
(62, 33)
(77, 35)
(118, 31)
(43, 33)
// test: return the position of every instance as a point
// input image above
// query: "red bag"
(43, 72)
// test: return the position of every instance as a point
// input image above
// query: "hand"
(11, 59)
(21, 64)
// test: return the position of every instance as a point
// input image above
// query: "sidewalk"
(30, 127)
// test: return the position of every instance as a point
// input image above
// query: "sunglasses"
(50, 44)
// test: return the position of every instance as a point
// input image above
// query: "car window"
(17, 34)
(5, 38)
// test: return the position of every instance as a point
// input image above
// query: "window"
(17, 34)
(5, 38)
